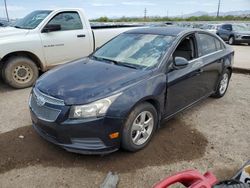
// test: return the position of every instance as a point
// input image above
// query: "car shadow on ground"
(4, 87)
(173, 142)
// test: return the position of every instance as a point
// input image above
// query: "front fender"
(153, 88)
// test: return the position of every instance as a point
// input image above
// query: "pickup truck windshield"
(32, 20)
(135, 50)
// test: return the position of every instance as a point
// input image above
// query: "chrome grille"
(47, 98)
(38, 105)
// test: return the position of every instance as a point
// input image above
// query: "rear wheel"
(20, 72)
(139, 127)
(231, 40)
(223, 84)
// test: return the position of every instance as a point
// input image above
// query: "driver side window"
(186, 49)
(67, 21)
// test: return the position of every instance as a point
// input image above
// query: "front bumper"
(81, 136)
(242, 40)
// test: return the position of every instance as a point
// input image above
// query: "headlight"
(238, 36)
(94, 109)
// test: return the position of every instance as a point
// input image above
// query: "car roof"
(168, 31)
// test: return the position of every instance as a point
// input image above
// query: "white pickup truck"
(44, 39)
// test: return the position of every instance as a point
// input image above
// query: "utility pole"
(6, 10)
(145, 14)
(218, 11)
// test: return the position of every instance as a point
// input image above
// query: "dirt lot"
(214, 136)
(242, 56)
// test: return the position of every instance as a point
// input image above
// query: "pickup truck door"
(70, 42)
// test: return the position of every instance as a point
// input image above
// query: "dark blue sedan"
(117, 96)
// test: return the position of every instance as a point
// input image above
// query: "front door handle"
(199, 71)
(81, 36)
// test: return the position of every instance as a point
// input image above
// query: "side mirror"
(51, 27)
(180, 62)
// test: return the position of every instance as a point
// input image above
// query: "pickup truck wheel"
(139, 127)
(231, 40)
(20, 72)
(223, 84)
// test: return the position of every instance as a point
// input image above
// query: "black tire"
(219, 93)
(231, 40)
(127, 134)
(20, 72)
(248, 44)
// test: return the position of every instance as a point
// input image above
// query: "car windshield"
(211, 26)
(240, 28)
(139, 51)
(32, 20)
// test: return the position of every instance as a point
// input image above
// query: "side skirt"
(186, 108)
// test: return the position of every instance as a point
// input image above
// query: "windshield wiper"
(102, 59)
(126, 65)
(18, 27)
(116, 62)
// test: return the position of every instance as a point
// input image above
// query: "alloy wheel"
(142, 127)
(224, 83)
(231, 40)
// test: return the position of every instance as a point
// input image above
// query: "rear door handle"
(81, 36)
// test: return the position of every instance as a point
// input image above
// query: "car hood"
(11, 31)
(85, 80)
(243, 32)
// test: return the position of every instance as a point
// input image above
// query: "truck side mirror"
(51, 27)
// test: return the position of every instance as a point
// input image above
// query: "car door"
(69, 43)
(210, 51)
(184, 86)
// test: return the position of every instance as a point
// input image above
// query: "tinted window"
(67, 20)
(208, 44)
(227, 27)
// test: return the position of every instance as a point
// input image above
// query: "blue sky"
(118, 8)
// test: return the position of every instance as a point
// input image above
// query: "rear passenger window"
(218, 44)
(208, 44)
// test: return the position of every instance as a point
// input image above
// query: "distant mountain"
(233, 13)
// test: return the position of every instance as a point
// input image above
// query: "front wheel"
(231, 40)
(20, 72)
(139, 127)
(223, 84)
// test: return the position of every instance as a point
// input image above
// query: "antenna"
(218, 11)
(6, 10)
(145, 14)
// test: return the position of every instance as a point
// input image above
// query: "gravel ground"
(242, 56)
(214, 135)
